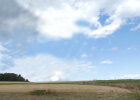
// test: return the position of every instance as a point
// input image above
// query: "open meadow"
(69, 49)
(84, 90)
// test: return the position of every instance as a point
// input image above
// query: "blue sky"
(61, 40)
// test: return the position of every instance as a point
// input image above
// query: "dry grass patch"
(69, 96)
(43, 92)
(67, 88)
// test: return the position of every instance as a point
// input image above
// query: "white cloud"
(126, 76)
(3, 56)
(106, 62)
(130, 76)
(16, 22)
(2, 48)
(135, 28)
(58, 17)
(58, 75)
(132, 48)
(45, 67)
(84, 56)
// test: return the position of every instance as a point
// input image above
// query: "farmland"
(80, 90)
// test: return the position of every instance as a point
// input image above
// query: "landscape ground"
(82, 90)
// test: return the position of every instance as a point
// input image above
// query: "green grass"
(32, 83)
(116, 81)
(136, 95)
(133, 85)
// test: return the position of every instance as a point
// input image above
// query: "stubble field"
(98, 90)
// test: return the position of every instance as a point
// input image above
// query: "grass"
(82, 90)
(87, 96)
(69, 96)
(43, 92)
(97, 82)
(32, 83)
(61, 88)
(116, 81)
(133, 85)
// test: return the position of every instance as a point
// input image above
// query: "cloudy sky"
(67, 40)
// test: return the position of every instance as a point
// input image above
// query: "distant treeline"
(12, 77)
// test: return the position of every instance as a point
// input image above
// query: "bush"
(42, 92)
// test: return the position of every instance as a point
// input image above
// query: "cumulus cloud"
(106, 62)
(58, 76)
(46, 67)
(58, 17)
(15, 20)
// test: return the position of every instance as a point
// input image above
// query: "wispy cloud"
(84, 56)
(45, 67)
(130, 76)
(2, 48)
(126, 76)
(131, 48)
(135, 28)
(106, 62)
(3, 56)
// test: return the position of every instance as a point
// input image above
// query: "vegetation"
(70, 96)
(93, 90)
(11, 77)
(117, 81)
(43, 92)
(133, 85)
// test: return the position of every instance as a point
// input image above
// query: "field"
(80, 90)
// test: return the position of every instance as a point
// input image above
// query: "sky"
(70, 40)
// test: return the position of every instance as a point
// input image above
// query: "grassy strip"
(28, 83)
(97, 82)
(116, 81)
(45, 95)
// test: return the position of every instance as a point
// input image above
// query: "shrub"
(42, 92)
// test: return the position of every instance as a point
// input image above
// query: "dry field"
(62, 88)
(22, 91)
